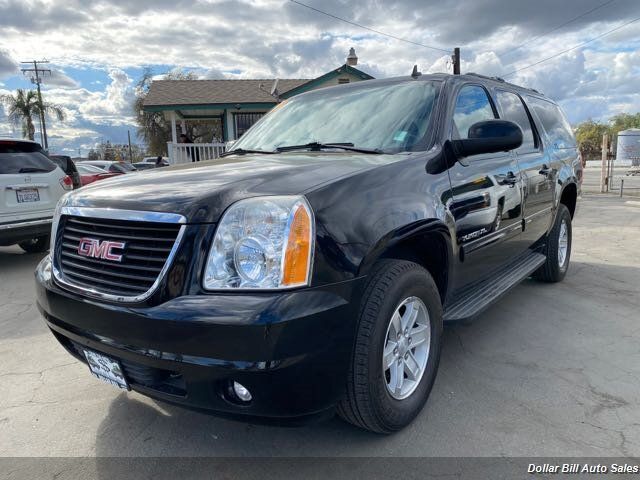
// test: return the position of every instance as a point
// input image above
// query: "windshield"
(89, 169)
(121, 167)
(386, 117)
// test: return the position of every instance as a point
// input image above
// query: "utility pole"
(456, 61)
(130, 153)
(604, 179)
(37, 80)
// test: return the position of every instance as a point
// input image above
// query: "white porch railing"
(193, 152)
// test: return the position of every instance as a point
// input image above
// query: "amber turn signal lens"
(298, 253)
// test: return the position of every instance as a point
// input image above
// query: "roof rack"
(502, 80)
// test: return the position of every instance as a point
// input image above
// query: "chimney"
(352, 59)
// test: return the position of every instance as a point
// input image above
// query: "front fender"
(357, 218)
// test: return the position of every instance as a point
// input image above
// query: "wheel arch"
(569, 197)
(427, 243)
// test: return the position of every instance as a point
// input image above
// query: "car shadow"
(15, 261)
(19, 316)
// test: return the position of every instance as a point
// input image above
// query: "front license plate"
(106, 369)
(27, 195)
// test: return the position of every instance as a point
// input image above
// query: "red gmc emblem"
(94, 248)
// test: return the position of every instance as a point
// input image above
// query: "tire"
(555, 267)
(35, 245)
(369, 402)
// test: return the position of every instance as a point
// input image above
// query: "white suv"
(30, 186)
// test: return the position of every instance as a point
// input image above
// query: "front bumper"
(290, 349)
(15, 232)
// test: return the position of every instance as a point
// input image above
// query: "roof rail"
(502, 80)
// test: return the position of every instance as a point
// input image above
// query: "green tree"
(623, 121)
(589, 138)
(154, 129)
(22, 107)
(93, 155)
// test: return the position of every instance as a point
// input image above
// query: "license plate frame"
(27, 195)
(106, 368)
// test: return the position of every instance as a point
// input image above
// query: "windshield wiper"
(317, 146)
(33, 170)
(243, 151)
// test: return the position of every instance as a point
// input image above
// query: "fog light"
(241, 392)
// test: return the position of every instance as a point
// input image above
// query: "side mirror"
(488, 136)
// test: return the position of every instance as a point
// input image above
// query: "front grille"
(146, 251)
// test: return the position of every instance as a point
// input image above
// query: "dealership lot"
(548, 370)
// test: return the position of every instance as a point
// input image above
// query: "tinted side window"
(472, 105)
(513, 110)
(17, 158)
(554, 122)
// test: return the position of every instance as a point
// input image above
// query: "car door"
(486, 194)
(536, 165)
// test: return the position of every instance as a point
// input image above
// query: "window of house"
(472, 106)
(342, 81)
(244, 121)
(512, 109)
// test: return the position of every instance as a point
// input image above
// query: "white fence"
(193, 152)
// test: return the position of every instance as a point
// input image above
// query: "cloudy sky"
(99, 51)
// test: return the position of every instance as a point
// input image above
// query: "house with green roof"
(230, 106)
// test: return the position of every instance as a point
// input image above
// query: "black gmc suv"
(311, 269)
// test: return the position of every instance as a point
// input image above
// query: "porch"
(193, 152)
(218, 125)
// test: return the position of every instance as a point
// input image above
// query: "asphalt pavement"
(551, 369)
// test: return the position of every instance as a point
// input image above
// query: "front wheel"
(35, 245)
(558, 248)
(397, 348)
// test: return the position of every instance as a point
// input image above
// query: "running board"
(474, 299)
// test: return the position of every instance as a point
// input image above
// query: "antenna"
(274, 90)
(415, 73)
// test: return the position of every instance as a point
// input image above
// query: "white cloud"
(276, 38)
(8, 65)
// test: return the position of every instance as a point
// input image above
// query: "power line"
(572, 48)
(556, 28)
(368, 28)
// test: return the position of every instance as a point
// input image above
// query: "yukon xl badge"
(94, 248)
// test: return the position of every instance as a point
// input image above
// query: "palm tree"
(22, 107)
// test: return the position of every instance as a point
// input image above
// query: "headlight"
(262, 243)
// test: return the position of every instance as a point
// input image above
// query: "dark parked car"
(313, 271)
(148, 165)
(111, 166)
(68, 167)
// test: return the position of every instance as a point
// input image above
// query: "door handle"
(508, 179)
(545, 170)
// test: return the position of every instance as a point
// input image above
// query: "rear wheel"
(397, 348)
(558, 248)
(35, 245)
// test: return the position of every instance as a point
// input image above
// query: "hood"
(202, 191)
